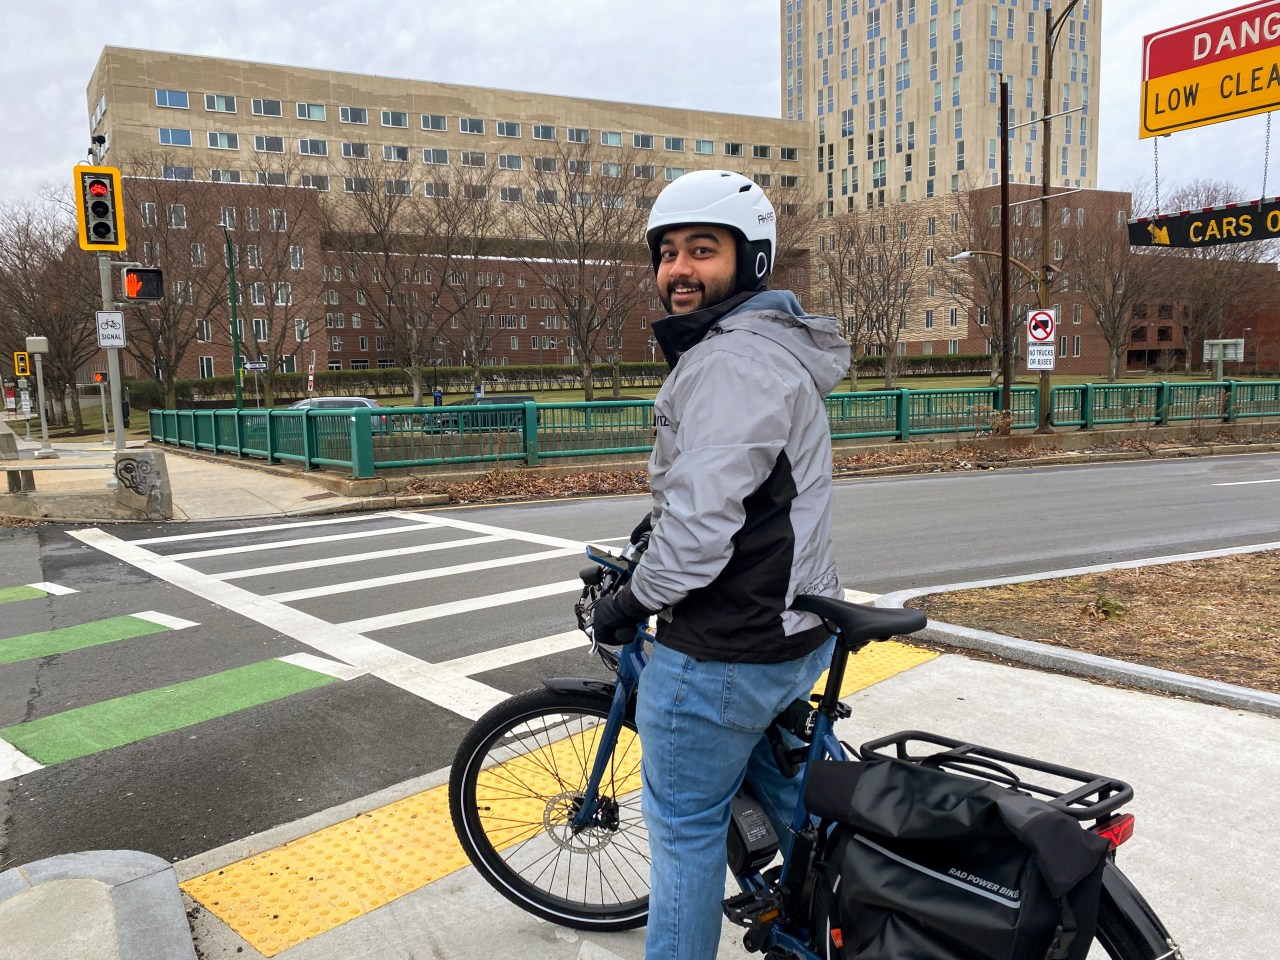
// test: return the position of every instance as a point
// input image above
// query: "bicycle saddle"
(860, 624)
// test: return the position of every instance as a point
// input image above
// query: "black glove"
(643, 528)
(615, 617)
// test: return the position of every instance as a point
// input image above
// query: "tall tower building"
(903, 95)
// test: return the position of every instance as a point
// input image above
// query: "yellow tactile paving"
(285, 896)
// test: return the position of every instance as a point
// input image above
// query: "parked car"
(380, 424)
(447, 420)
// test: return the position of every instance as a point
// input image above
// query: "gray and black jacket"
(741, 480)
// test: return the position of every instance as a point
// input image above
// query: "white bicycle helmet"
(723, 199)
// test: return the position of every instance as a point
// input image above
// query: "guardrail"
(365, 440)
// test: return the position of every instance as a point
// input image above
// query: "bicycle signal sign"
(110, 328)
(1040, 326)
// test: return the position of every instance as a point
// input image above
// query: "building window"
(224, 141)
(206, 367)
(546, 197)
(508, 128)
(175, 99)
(204, 331)
(260, 328)
(178, 216)
(643, 171)
(224, 176)
(311, 111)
(175, 137)
(395, 118)
(611, 169)
(732, 149)
(355, 151)
(197, 255)
(475, 191)
(398, 188)
(316, 181)
(395, 154)
(353, 115)
(434, 121)
(436, 189)
(268, 144)
(544, 131)
(182, 291)
(178, 173)
(510, 194)
(266, 108)
(313, 148)
(301, 329)
(642, 141)
(789, 153)
(434, 155)
(548, 165)
(761, 151)
(296, 257)
(610, 138)
(470, 159)
(258, 293)
(356, 184)
(577, 134)
(217, 103)
(470, 125)
(335, 344)
(510, 161)
(671, 173)
(673, 144)
(279, 220)
(284, 294)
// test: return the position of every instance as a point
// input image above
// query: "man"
(741, 525)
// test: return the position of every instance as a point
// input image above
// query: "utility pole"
(1051, 28)
(1006, 319)
(113, 353)
(236, 372)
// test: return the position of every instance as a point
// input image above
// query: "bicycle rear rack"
(1084, 796)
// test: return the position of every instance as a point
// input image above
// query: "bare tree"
(279, 227)
(48, 288)
(584, 229)
(1113, 279)
(1220, 282)
(839, 262)
(175, 225)
(378, 231)
(465, 212)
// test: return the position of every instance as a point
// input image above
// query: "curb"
(150, 918)
(1047, 656)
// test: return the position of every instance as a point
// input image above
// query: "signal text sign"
(1210, 227)
(1214, 69)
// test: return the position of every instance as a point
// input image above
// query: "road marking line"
(173, 623)
(213, 534)
(283, 544)
(402, 617)
(15, 763)
(416, 575)
(353, 558)
(332, 668)
(1245, 483)
(504, 532)
(445, 688)
(501, 657)
(82, 731)
(48, 643)
(53, 589)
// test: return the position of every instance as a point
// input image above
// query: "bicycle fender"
(1127, 901)
(592, 685)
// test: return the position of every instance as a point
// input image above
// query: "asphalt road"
(178, 736)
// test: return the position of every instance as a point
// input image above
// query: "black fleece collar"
(677, 332)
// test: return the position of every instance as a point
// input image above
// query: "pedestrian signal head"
(143, 283)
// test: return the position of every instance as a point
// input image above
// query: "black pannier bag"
(922, 864)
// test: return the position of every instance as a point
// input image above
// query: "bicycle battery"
(752, 843)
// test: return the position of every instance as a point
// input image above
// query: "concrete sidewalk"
(204, 487)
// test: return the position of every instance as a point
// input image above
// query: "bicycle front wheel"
(517, 782)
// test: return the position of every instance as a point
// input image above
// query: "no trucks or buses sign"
(1214, 69)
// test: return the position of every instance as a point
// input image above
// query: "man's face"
(696, 267)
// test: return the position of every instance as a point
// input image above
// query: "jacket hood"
(813, 340)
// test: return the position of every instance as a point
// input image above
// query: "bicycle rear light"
(1116, 829)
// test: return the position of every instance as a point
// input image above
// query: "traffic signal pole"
(113, 353)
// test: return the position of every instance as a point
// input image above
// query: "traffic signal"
(21, 363)
(100, 220)
(143, 283)
(99, 377)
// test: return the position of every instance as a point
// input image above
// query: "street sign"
(1040, 356)
(1040, 326)
(26, 402)
(110, 328)
(1230, 350)
(1210, 227)
(255, 365)
(1212, 69)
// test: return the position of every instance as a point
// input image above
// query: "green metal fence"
(365, 440)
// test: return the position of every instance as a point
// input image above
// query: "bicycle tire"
(1128, 929)
(512, 788)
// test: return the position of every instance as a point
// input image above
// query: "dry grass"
(1218, 618)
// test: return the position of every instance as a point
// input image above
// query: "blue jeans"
(701, 725)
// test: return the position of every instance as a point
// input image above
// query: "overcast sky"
(719, 55)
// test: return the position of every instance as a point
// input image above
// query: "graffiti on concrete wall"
(138, 475)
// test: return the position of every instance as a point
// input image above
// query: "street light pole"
(235, 323)
(1006, 319)
(1051, 28)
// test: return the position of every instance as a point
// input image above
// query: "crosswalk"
(384, 595)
